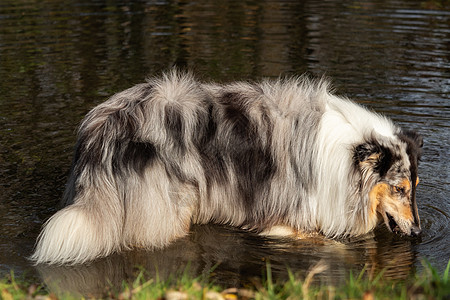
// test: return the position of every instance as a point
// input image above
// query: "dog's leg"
(158, 209)
(280, 231)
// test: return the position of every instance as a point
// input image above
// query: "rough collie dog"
(277, 157)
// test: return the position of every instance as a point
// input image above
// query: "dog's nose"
(415, 230)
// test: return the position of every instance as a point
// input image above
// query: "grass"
(428, 284)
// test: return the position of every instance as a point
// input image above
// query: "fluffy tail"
(77, 234)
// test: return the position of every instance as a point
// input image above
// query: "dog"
(283, 157)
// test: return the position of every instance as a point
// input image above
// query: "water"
(58, 59)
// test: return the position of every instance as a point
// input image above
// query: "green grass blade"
(445, 276)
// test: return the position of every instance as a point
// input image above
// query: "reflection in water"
(237, 258)
(60, 58)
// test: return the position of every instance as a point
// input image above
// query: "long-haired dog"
(283, 154)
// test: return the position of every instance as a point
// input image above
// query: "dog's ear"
(414, 142)
(372, 156)
(415, 137)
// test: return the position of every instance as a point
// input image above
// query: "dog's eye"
(399, 189)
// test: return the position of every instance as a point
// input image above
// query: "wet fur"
(173, 151)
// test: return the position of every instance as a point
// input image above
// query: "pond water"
(58, 59)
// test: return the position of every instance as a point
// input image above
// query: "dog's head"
(388, 168)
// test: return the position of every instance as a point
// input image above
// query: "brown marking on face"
(378, 192)
(405, 212)
(392, 200)
(406, 185)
